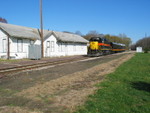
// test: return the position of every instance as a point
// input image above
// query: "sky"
(114, 17)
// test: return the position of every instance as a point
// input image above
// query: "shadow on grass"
(141, 86)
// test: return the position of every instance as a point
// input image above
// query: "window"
(4, 45)
(52, 46)
(48, 44)
(59, 47)
(62, 47)
(74, 47)
(20, 45)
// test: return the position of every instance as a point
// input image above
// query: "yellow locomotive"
(100, 46)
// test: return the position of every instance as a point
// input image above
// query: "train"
(101, 46)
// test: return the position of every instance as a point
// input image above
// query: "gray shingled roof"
(31, 33)
(20, 31)
(69, 37)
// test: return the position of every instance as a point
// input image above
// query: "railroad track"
(11, 70)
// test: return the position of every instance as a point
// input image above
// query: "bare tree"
(78, 33)
(133, 47)
(90, 34)
(144, 43)
(3, 20)
(122, 38)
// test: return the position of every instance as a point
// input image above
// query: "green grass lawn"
(127, 90)
(12, 60)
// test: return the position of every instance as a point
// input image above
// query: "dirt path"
(64, 93)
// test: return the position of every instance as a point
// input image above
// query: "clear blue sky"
(131, 17)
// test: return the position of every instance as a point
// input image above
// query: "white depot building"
(15, 41)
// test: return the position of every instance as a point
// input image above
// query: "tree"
(122, 38)
(144, 43)
(113, 38)
(78, 33)
(90, 34)
(133, 47)
(3, 20)
(127, 41)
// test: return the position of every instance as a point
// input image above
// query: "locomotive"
(101, 46)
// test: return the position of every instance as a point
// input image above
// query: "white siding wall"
(50, 47)
(54, 48)
(18, 47)
(3, 44)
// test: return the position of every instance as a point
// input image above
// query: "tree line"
(121, 38)
(144, 43)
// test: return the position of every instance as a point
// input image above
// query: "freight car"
(101, 46)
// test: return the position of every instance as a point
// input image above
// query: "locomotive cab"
(98, 46)
(94, 47)
(94, 43)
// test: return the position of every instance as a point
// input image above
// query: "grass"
(12, 60)
(127, 90)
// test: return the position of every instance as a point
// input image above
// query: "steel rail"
(38, 65)
(12, 70)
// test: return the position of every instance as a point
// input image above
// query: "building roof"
(69, 37)
(32, 33)
(20, 31)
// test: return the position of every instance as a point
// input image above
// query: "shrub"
(146, 50)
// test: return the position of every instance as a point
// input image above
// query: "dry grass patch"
(9, 109)
(72, 90)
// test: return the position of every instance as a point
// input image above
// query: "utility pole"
(41, 34)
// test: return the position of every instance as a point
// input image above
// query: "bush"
(146, 50)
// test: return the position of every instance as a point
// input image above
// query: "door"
(20, 45)
(4, 45)
(52, 47)
(66, 49)
(48, 48)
